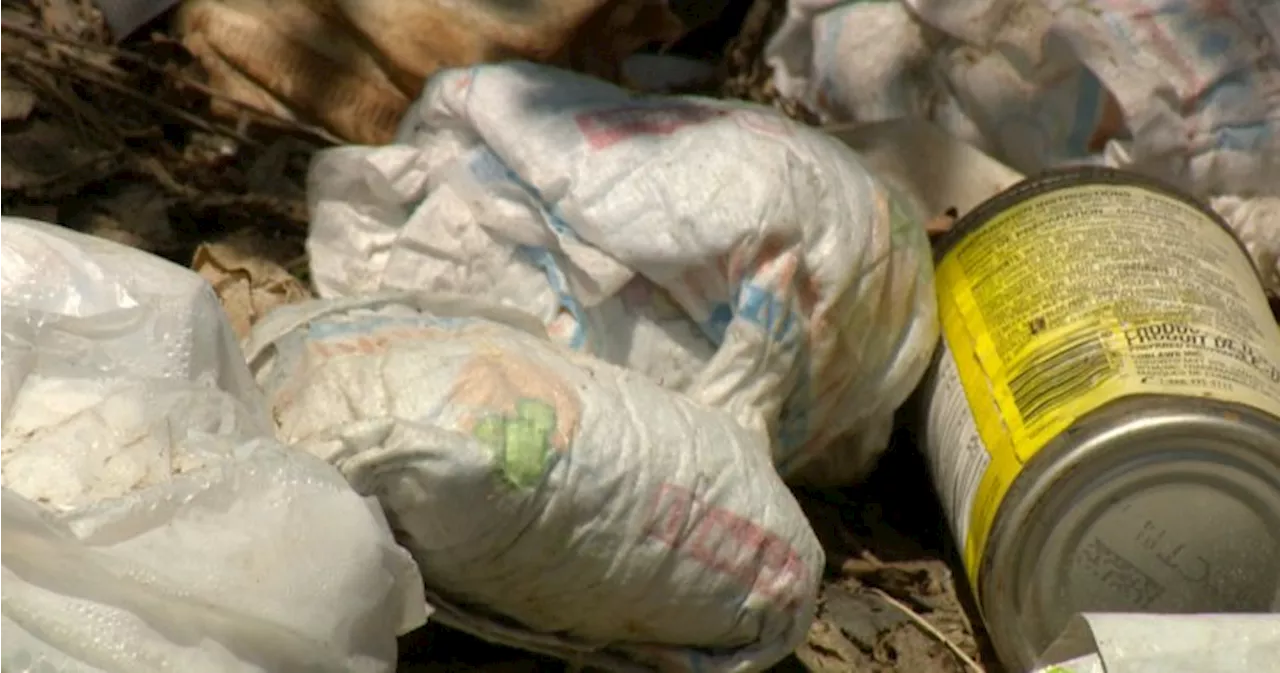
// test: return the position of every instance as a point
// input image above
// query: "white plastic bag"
(716, 247)
(553, 501)
(1257, 222)
(150, 522)
(1146, 643)
(1186, 91)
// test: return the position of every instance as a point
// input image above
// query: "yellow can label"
(1078, 297)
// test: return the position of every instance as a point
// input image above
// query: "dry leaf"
(248, 286)
(17, 100)
(292, 56)
(353, 66)
(75, 19)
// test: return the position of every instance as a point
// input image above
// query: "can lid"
(1055, 179)
(1154, 504)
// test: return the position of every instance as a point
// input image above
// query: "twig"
(929, 628)
(754, 31)
(262, 116)
(192, 119)
(153, 167)
(36, 33)
(294, 211)
(83, 114)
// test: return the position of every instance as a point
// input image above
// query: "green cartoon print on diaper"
(522, 442)
(524, 412)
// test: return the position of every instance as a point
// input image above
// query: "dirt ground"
(113, 140)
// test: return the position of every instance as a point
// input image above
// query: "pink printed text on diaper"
(729, 544)
(372, 344)
(603, 128)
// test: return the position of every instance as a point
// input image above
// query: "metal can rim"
(1074, 176)
(1023, 507)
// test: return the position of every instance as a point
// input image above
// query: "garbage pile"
(554, 500)
(565, 352)
(779, 282)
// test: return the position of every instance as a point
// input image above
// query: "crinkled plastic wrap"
(717, 247)
(1186, 91)
(151, 521)
(553, 501)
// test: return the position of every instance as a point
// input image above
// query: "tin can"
(1103, 419)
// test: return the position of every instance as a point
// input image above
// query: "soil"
(114, 140)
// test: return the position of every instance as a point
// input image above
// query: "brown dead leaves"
(354, 66)
(248, 283)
